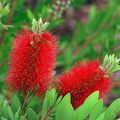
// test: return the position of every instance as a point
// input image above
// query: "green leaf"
(105, 61)
(34, 25)
(30, 14)
(84, 110)
(16, 116)
(53, 110)
(101, 116)
(65, 110)
(1, 100)
(39, 26)
(35, 102)
(31, 115)
(23, 118)
(44, 11)
(118, 119)
(58, 101)
(96, 110)
(4, 110)
(53, 97)
(92, 14)
(2, 118)
(111, 63)
(15, 103)
(4, 9)
(112, 110)
(49, 101)
(10, 113)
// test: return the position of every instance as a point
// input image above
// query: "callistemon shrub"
(74, 95)
(32, 63)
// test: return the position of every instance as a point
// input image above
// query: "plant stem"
(47, 114)
(25, 98)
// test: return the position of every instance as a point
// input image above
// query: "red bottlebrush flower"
(32, 62)
(82, 80)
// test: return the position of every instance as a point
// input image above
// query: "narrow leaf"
(112, 111)
(84, 110)
(65, 110)
(31, 115)
(96, 110)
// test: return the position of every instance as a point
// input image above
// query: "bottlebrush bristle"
(82, 80)
(32, 62)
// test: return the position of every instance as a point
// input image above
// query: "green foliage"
(4, 10)
(60, 108)
(94, 38)
(111, 64)
(92, 107)
(39, 26)
(102, 26)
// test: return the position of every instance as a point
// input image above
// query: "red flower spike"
(32, 62)
(82, 80)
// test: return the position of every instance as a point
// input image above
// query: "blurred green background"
(86, 29)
